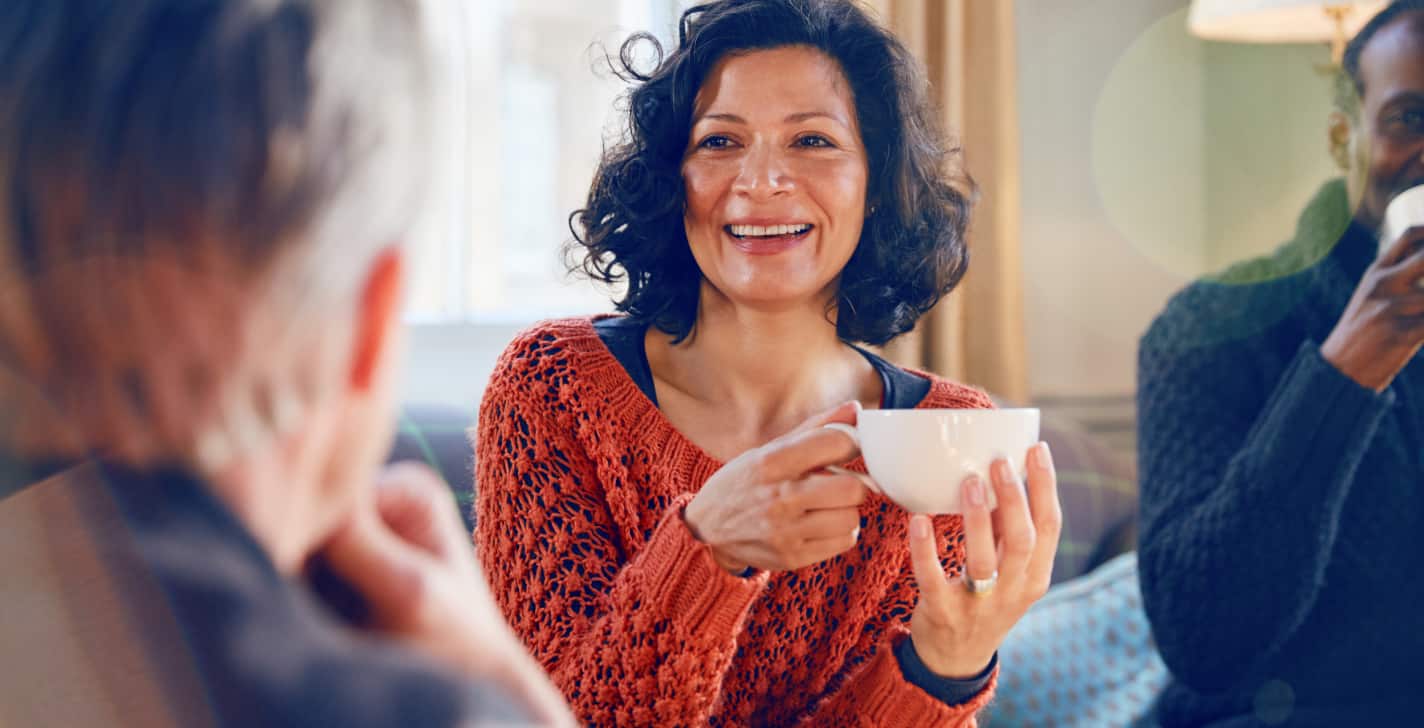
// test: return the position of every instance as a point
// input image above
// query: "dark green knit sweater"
(1282, 545)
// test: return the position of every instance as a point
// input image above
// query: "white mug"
(1405, 211)
(920, 458)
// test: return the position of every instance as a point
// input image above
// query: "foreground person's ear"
(378, 313)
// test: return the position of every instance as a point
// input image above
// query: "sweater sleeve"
(949, 691)
(878, 694)
(1241, 501)
(638, 640)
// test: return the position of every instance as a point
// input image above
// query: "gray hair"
(185, 186)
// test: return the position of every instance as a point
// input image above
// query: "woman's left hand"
(1010, 550)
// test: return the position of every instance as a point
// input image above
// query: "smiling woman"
(751, 234)
(869, 107)
(656, 505)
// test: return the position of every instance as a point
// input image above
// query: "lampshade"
(1279, 21)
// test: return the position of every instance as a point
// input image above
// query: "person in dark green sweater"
(1281, 422)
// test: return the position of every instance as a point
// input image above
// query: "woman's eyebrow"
(792, 118)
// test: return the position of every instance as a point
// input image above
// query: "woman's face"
(775, 175)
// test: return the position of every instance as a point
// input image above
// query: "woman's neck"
(762, 371)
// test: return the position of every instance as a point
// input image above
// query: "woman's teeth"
(767, 231)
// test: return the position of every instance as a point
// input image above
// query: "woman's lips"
(767, 244)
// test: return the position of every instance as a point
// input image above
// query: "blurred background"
(1122, 149)
(1120, 156)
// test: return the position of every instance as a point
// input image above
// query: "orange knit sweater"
(582, 483)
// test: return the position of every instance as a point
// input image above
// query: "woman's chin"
(773, 295)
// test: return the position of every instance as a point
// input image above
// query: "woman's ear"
(378, 315)
(1342, 130)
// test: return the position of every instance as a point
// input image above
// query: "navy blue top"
(903, 390)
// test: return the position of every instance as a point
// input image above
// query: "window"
(526, 104)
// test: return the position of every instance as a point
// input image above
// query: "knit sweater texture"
(1282, 544)
(582, 483)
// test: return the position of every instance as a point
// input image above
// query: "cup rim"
(946, 410)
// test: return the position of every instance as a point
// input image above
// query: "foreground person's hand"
(960, 621)
(774, 508)
(409, 558)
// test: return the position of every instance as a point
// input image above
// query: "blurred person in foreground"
(202, 207)
(1281, 421)
(654, 504)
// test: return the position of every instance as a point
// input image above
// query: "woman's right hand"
(775, 508)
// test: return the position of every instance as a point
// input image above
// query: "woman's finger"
(826, 491)
(980, 560)
(1016, 532)
(845, 413)
(793, 456)
(924, 561)
(1047, 513)
(832, 523)
(818, 550)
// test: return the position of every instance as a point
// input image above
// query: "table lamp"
(1283, 21)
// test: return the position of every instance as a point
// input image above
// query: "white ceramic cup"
(1405, 211)
(920, 458)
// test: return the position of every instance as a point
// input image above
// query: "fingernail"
(1042, 455)
(974, 491)
(920, 527)
(1002, 470)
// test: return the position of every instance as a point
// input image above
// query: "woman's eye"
(716, 141)
(813, 140)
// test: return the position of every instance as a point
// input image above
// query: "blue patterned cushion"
(1082, 656)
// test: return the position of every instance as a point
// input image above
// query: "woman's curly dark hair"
(912, 249)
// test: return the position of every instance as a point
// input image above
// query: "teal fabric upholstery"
(1082, 656)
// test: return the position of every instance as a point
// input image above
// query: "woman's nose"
(763, 173)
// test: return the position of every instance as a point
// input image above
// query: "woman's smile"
(768, 238)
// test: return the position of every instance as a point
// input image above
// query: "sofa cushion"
(1082, 656)
(1098, 489)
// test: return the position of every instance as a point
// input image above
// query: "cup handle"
(850, 432)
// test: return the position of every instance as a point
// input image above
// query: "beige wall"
(1149, 158)
(1267, 155)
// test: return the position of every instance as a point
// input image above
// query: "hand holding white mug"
(960, 620)
(919, 457)
(775, 507)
